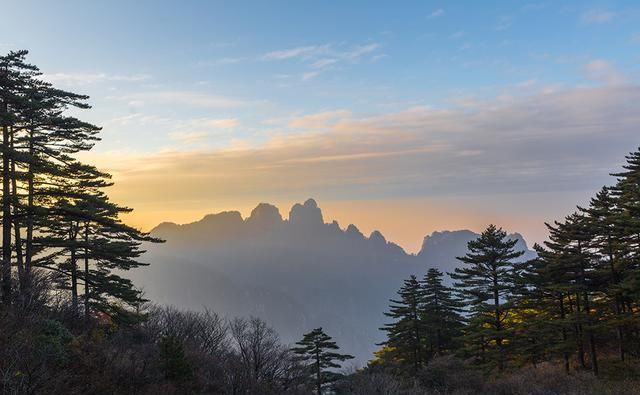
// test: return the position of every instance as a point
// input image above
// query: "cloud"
(605, 71)
(225, 123)
(309, 75)
(496, 147)
(298, 52)
(199, 129)
(93, 78)
(321, 55)
(319, 58)
(320, 120)
(436, 13)
(190, 98)
(188, 137)
(221, 61)
(597, 16)
(360, 50)
(504, 23)
(322, 63)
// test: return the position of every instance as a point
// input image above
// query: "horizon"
(426, 117)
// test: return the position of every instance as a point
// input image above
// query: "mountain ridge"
(297, 273)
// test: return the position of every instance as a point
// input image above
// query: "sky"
(407, 117)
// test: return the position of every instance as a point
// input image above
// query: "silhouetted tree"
(440, 313)
(318, 353)
(406, 334)
(487, 279)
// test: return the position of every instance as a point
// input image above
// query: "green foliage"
(406, 334)
(487, 279)
(174, 364)
(56, 216)
(317, 352)
(53, 341)
(440, 314)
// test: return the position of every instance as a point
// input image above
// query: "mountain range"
(297, 273)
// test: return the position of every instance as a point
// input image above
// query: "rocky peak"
(306, 214)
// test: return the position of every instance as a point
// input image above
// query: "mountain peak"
(306, 214)
(310, 203)
(377, 237)
(265, 215)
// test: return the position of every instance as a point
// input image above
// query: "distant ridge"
(297, 273)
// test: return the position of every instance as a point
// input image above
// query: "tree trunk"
(74, 273)
(318, 374)
(565, 354)
(618, 309)
(592, 340)
(6, 216)
(579, 336)
(86, 272)
(29, 220)
(16, 227)
(498, 324)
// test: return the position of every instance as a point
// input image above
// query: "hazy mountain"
(440, 249)
(297, 273)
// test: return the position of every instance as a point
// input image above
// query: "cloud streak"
(319, 58)
(93, 78)
(523, 145)
(597, 16)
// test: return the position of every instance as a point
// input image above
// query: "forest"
(566, 321)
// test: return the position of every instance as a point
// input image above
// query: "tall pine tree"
(406, 334)
(440, 313)
(486, 281)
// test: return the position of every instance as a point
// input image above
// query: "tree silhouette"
(485, 282)
(317, 351)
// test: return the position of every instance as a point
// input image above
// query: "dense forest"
(563, 322)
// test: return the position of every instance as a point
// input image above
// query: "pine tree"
(318, 352)
(15, 76)
(626, 193)
(488, 279)
(406, 335)
(603, 217)
(440, 313)
(59, 202)
(571, 241)
(540, 314)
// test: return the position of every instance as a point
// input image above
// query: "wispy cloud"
(199, 129)
(92, 78)
(504, 23)
(297, 52)
(359, 51)
(319, 58)
(188, 137)
(604, 71)
(322, 55)
(190, 98)
(223, 123)
(597, 16)
(320, 120)
(322, 63)
(436, 13)
(308, 75)
(220, 61)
